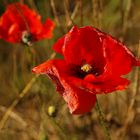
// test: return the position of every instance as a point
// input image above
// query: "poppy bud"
(52, 111)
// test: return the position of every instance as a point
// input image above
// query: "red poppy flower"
(21, 24)
(93, 63)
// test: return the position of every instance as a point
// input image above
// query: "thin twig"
(54, 12)
(14, 115)
(5, 3)
(81, 12)
(21, 95)
(21, 1)
(73, 15)
(33, 5)
(66, 8)
(16, 101)
(130, 111)
(67, 13)
(97, 12)
(125, 11)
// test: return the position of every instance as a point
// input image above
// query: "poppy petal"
(107, 85)
(59, 45)
(119, 59)
(84, 45)
(78, 99)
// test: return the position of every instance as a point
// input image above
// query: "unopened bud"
(52, 111)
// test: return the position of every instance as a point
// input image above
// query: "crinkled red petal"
(46, 30)
(81, 46)
(119, 60)
(106, 85)
(59, 45)
(79, 100)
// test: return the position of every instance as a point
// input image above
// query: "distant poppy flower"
(21, 24)
(93, 63)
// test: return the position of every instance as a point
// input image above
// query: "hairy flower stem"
(102, 121)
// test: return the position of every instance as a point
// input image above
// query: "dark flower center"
(82, 71)
(26, 38)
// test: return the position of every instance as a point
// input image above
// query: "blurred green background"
(29, 118)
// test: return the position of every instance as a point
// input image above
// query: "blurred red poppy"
(93, 63)
(21, 24)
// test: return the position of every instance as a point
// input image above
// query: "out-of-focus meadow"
(24, 100)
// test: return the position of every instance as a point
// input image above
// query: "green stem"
(16, 101)
(102, 121)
